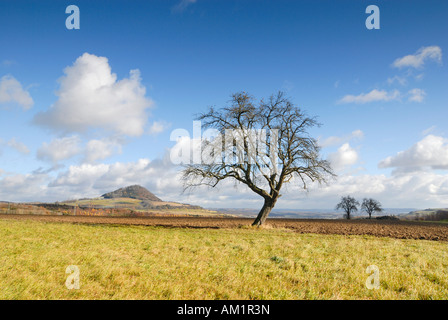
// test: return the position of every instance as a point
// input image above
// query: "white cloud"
(158, 127)
(419, 77)
(101, 149)
(431, 151)
(159, 176)
(408, 189)
(90, 97)
(374, 95)
(82, 176)
(418, 59)
(400, 80)
(68, 147)
(416, 189)
(23, 187)
(59, 149)
(416, 95)
(11, 91)
(412, 190)
(18, 146)
(345, 156)
(335, 140)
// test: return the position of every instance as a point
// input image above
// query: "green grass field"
(130, 262)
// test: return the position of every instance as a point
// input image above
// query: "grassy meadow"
(133, 262)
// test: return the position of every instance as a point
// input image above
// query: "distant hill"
(432, 214)
(132, 192)
(132, 201)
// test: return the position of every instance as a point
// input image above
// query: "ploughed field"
(379, 228)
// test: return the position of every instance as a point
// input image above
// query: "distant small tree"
(349, 205)
(370, 206)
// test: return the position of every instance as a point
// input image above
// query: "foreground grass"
(126, 262)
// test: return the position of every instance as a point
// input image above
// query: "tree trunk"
(264, 212)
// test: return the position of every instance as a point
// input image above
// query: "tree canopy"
(262, 145)
(349, 205)
(370, 206)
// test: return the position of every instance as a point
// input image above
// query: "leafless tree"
(349, 205)
(370, 206)
(262, 145)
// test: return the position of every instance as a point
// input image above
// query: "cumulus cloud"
(345, 156)
(82, 176)
(159, 176)
(335, 140)
(412, 190)
(64, 148)
(416, 189)
(101, 149)
(59, 149)
(372, 96)
(91, 97)
(11, 91)
(431, 151)
(418, 59)
(23, 187)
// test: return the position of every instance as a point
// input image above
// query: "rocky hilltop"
(133, 192)
(132, 201)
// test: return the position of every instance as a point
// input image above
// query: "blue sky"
(376, 92)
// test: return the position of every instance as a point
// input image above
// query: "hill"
(132, 201)
(431, 214)
(132, 192)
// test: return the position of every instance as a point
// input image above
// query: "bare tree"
(349, 205)
(261, 145)
(370, 206)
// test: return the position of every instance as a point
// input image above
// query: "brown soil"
(379, 228)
